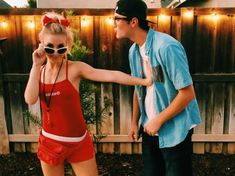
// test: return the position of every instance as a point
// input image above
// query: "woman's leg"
(49, 170)
(85, 168)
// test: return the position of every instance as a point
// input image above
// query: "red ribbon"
(46, 20)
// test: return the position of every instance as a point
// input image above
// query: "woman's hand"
(32, 88)
(39, 55)
(148, 79)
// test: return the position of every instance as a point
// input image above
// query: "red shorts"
(55, 152)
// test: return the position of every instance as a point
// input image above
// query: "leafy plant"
(78, 51)
(32, 4)
(28, 116)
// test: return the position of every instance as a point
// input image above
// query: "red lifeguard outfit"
(64, 132)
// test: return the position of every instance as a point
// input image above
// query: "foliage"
(32, 4)
(28, 116)
(78, 51)
(69, 12)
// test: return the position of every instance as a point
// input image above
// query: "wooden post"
(201, 91)
(4, 142)
(125, 116)
(231, 95)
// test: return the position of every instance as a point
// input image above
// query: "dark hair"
(143, 24)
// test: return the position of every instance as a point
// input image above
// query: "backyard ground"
(27, 164)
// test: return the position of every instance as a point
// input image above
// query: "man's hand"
(133, 133)
(153, 126)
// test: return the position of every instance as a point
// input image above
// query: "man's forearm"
(136, 110)
(183, 98)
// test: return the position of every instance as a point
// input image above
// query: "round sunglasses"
(50, 50)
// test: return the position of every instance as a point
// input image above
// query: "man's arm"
(133, 134)
(183, 98)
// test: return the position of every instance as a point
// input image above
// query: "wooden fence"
(208, 36)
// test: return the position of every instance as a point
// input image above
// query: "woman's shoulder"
(74, 63)
(76, 66)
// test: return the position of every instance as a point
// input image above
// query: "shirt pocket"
(158, 73)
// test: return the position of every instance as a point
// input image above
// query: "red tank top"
(66, 117)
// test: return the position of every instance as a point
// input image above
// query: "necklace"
(48, 103)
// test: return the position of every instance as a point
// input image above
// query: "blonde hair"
(56, 28)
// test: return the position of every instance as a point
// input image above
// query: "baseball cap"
(132, 8)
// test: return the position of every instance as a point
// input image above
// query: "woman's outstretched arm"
(102, 75)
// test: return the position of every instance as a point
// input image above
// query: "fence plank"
(116, 106)
(164, 23)
(218, 115)
(28, 41)
(108, 120)
(224, 44)
(125, 138)
(155, 20)
(176, 27)
(209, 113)
(203, 57)
(87, 36)
(16, 114)
(187, 36)
(125, 116)
(231, 94)
(231, 116)
(201, 92)
(34, 128)
(4, 142)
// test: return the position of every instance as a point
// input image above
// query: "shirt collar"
(148, 42)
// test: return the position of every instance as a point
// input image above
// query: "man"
(168, 108)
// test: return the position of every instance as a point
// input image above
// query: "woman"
(64, 133)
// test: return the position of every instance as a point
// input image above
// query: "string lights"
(4, 24)
(189, 14)
(162, 17)
(214, 17)
(85, 21)
(31, 25)
(109, 21)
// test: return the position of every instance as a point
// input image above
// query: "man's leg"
(152, 157)
(178, 159)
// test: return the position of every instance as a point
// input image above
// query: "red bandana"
(46, 20)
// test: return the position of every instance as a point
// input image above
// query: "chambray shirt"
(170, 73)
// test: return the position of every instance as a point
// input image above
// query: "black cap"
(132, 8)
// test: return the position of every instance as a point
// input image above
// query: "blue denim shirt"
(170, 73)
